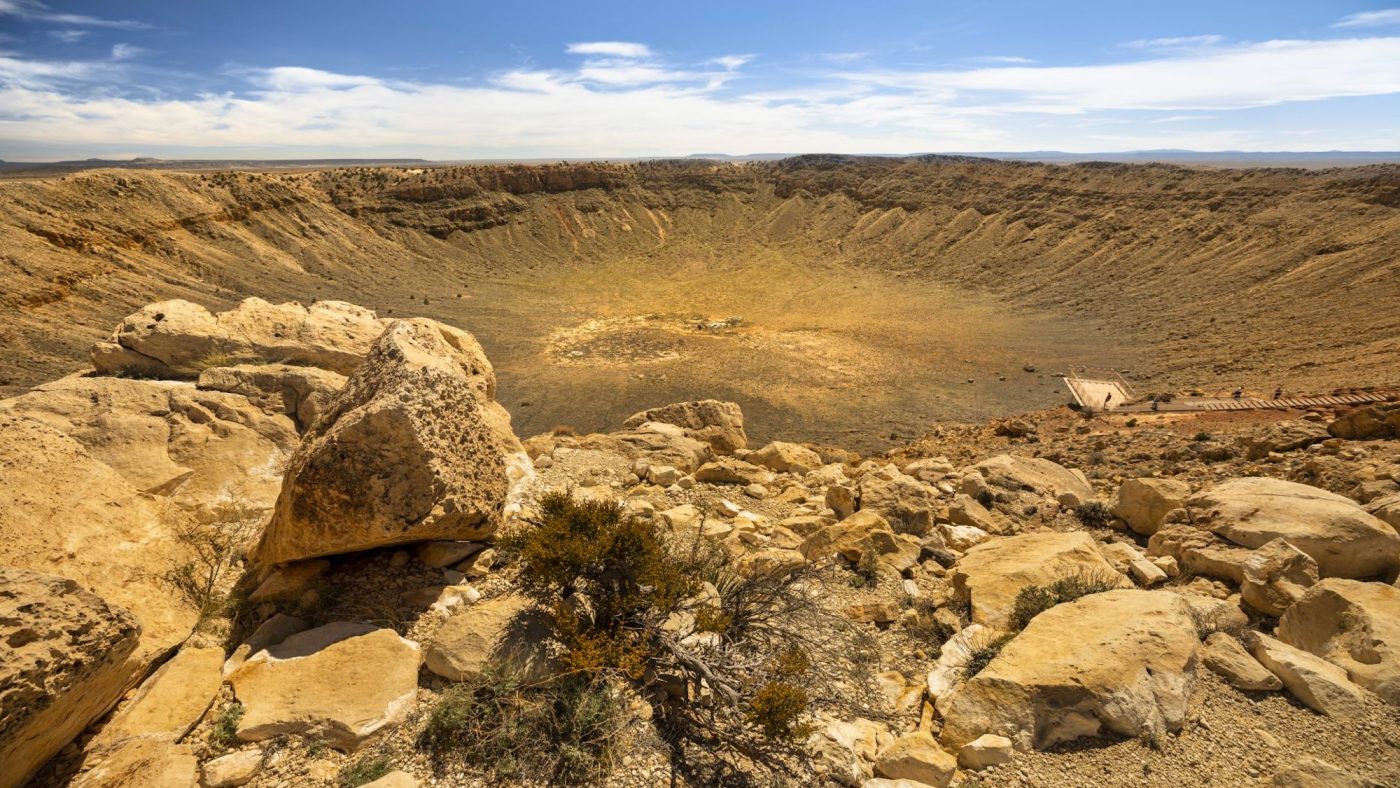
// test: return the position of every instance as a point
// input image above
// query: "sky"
(472, 79)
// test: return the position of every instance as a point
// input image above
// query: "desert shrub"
(564, 731)
(627, 604)
(1034, 600)
(224, 733)
(925, 628)
(1131, 423)
(1201, 437)
(213, 542)
(982, 652)
(365, 770)
(986, 498)
(1093, 513)
(866, 570)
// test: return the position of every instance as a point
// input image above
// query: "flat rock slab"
(1324, 687)
(505, 631)
(1353, 625)
(992, 574)
(340, 683)
(1128, 669)
(172, 700)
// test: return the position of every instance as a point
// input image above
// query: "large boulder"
(340, 683)
(414, 448)
(1275, 576)
(907, 503)
(993, 573)
(1324, 687)
(1340, 536)
(172, 700)
(720, 424)
(68, 657)
(178, 339)
(63, 512)
(1378, 421)
(204, 449)
(1034, 475)
(505, 631)
(916, 757)
(1142, 503)
(1120, 662)
(300, 393)
(655, 443)
(786, 458)
(1353, 625)
(1282, 437)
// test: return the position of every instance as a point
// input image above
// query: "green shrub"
(982, 653)
(566, 731)
(224, 734)
(1034, 600)
(1201, 437)
(1093, 513)
(777, 708)
(365, 770)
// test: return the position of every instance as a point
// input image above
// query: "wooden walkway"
(1196, 404)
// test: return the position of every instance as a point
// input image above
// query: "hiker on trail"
(1278, 392)
(1156, 404)
(1239, 392)
(1107, 399)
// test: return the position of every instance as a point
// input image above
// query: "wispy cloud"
(1175, 42)
(622, 49)
(36, 11)
(1010, 59)
(1388, 16)
(68, 36)
(731, 62)
(844, 57)
(125, 51)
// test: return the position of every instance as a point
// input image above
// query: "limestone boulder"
(340, 683)
(113, 540)
(720, 424)
(1353, 625)
(1224, 655)
(1200, 552)
(1035, 475)
(984, 751)
(414, 448)
(1324, 687)
(68, 657)
(917, 757)
(172, 700)
(300, 393)
(1369, 423)
(655, 443)
(506, 631)
(728, 470)
(1387, 508)
(844, 749)
(1282, 437)
(1143, 503)
(786, 458)
(236, 768)
(907, 503)
(1127, 670)
(140, 762)
(204, 449)
(1310, 772)
(992, 574)
(1340, 536)
(1275, 576)
(178, 339)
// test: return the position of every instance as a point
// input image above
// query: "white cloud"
(1388, 16)
(844, 57)
(732, 62)
(68, 36)
(36, 11)
(1013, 59)
(1177, 42)
(125, 51)
(612, 105)
(621, 49)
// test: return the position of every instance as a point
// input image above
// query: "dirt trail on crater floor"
(870, 291)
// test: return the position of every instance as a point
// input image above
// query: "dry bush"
(1034, 600)
(214, 543)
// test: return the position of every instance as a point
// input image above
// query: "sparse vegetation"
(1201, 437)
(982, 652)
(365, 770)
(1094, 514)
(214, 541)
(224, 733)
(1034, 600)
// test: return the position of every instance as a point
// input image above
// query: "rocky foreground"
(263, 547)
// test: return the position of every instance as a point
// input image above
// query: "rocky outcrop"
(1324, 687)
(1275, 576)
(1340, 536)
(414, 448)
(178, 339)
(298, 392)
(505, 631)
(1224, 655)
(1128, 669)
(1353, 625)
(720, 424)
(917, 757)
(340, 683)
(68, 657)
(1142, 503)
(786, 458)
(1369, 423)
(991, 574)
(1034, 475)
(907, 503)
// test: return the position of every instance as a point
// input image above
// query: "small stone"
(233, 769)
(984, 751)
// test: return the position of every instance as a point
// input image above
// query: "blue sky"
(452, 80)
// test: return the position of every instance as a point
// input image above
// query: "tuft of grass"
(1034, 600)
(1093, 514)
(224, 734)
(983, 652)
(777, 709)
(365, 770)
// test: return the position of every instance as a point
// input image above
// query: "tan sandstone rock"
(414, 448)
(1275, 576)
(1128, 669)
(991, 574)
(340, 683)
(68, 657)
(1353, 625)
(1324, 687)
(141, 762)
(1340, 536)
(1224, 655)
(1036, 475)
(786, 458)
(300, 393)
(506, 630)
(917, 757)
(1142, 503)
(720, 424)
(173, 699)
